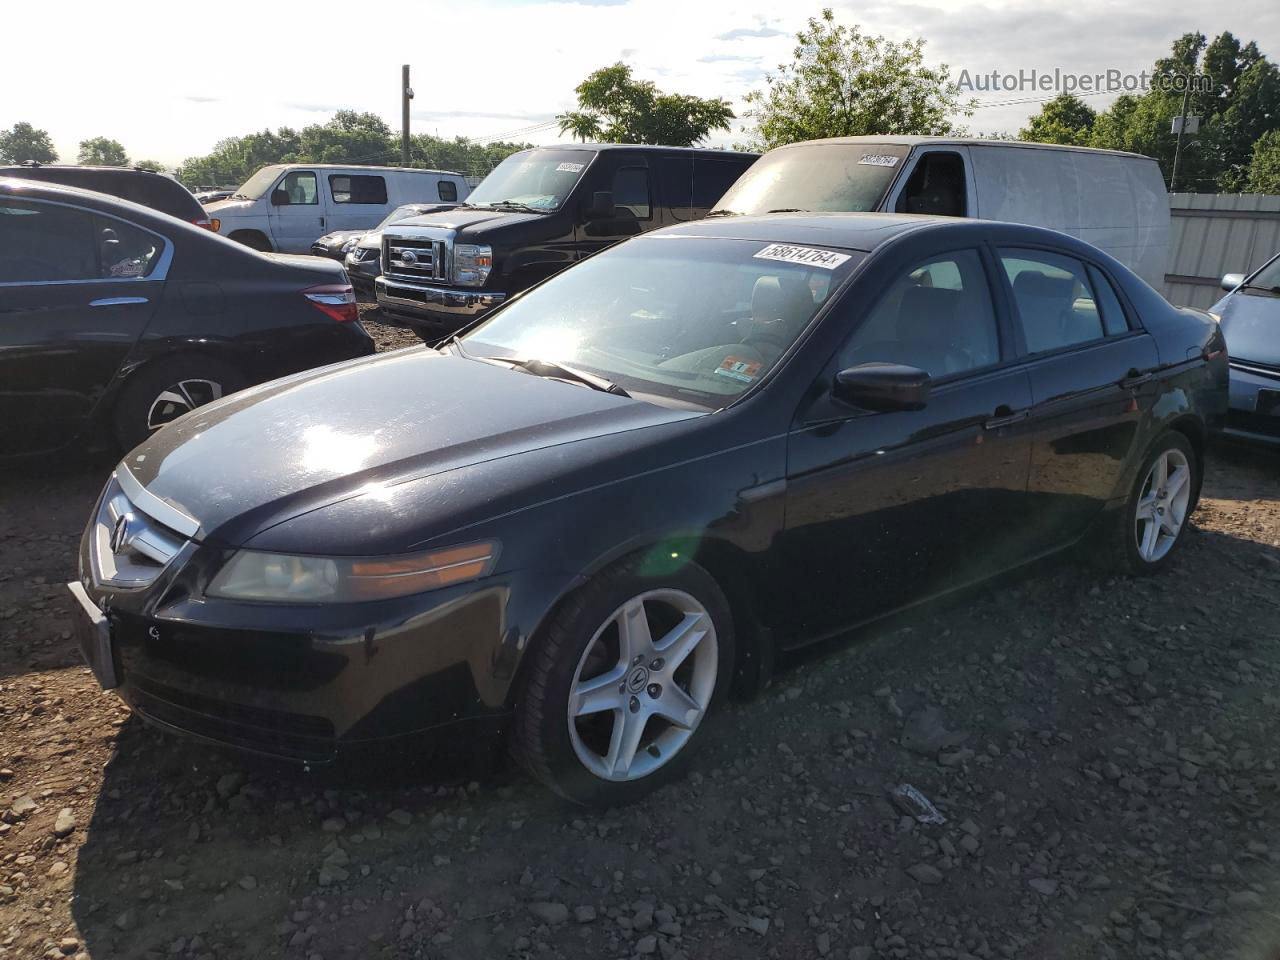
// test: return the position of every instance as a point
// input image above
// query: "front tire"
(165, 390)
(621, 681)
(1154, 521)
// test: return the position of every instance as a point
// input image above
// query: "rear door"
(358, 201)
(1090, 365)
(297, 211)
(625, 180)
(77, 289)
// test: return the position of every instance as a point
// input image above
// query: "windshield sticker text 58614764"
(879, 160)
(808, 256)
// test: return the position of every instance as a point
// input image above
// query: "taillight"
(207, 224)
(338, 300)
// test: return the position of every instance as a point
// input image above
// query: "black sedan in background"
(580, 522)
(116, 319)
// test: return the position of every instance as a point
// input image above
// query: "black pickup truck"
(538, 212)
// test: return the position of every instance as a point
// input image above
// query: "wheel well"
(251, 238)
(1194, 431)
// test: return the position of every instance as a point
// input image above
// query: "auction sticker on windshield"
(736, 368)
(879, 160)
(568, 167)
(807, 256)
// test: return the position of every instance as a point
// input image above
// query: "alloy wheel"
(1162, 505)
(179, 398)
(635, 700)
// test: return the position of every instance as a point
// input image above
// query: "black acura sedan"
(590, 515)
(115, 318)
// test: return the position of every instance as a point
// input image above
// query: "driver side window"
(937, 316)
(299, 187)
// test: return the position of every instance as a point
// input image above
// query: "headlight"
(252, 575)
(361, 254)
(471, 264)
(350, 245)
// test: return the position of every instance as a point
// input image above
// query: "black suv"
(128, 183)
(538, 212)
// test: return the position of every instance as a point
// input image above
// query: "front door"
(297, 212)
(885, 509)
(77, 289)
(618, 203)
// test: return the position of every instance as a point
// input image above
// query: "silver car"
(1250, 318)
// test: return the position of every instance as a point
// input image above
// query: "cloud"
(727, 58)
(198, 99)
(741, 32)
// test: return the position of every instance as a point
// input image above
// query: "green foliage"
(843, 82)
(1264, 169)
(234, 159)
(350, 137)
(614, 107)
(155, 166)
(102, 151)
(460, 154)
(23, 143)
(1064, 119)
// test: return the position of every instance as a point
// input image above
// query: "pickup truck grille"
(413, 259)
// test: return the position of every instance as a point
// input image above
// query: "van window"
(711, 179)
(357, 188)
(936, 187)
(938, 317)
(447, 190)
(300, 188)
(631, 192)
(1056, 302)
(675, 178)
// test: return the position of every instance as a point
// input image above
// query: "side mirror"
(1232, 280)
(279, 198)
(601, 207)
(883, 387)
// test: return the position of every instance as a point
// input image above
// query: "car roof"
(647, 147)
(853, 231)
(356, 166)
(108, 203)
(914, 140)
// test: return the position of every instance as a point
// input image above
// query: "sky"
(170, 80)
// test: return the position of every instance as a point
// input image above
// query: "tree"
(460, 154)
(843, 82)
(615, 107)
(1064, 119)
(1264, 169)
(350, 137)
(155, 166)
(234, 159)
(100, 151)
(23, 143)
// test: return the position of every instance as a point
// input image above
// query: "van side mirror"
(601, 207)
(279, 198)
(882, 387)
(1232, 280)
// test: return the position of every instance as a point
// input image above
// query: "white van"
(1115, 201)
(284, 207)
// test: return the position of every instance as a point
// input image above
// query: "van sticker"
(736, 368)
(807, 256)
(879, 160)
(567, 167)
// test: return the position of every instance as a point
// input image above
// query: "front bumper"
(1254, 412)
(437, 309)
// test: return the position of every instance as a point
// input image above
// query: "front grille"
(411, 258)
(129, 547)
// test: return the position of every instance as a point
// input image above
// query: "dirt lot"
(1103, 751)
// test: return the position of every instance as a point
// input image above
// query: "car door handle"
(116, 301)
(1134, 379)
(1005, 416)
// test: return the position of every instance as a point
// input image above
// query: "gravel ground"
(1102, 751)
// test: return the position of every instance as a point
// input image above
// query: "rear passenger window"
(631, 192)
(938, 317)
(447, 190)
(44, 243)
(358, 188)
(1114, 320)
(1055, 301)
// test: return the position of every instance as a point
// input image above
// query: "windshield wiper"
(787, 210)
(721, 213)
(553, 368)
(1259, 286)
(517, 205)
(238, 196)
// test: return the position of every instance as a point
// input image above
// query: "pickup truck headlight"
(471, 264)
(283, 578)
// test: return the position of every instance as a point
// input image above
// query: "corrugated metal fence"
(1216, 233)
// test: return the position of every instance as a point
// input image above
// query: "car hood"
(229, 207)
(463, 220)
(1251, 324)
(263, 456)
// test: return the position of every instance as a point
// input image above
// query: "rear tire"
(1152, 525)
(166, 389)
(619, 685)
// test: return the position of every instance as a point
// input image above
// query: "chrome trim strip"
(117, 301)
(150, 504)
(463, 303)
(1268, 372)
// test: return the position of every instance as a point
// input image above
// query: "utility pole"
(1177, 148)
(406, 94)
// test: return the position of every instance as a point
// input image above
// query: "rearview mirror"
(279, 198)
(601, 207)
(883, 387)
(1232, 280)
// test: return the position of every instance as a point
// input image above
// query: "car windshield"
(691, 319)
(541, 179)
(1269, 276)
(258, 184)
(400, 213)
(845, 177)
